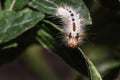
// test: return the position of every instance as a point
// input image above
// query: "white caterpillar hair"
(73, 28)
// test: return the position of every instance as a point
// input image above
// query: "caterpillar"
(73, 25)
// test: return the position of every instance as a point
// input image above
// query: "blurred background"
(102, 46)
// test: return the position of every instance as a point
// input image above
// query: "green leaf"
(71, 56)
(74, 57)
(50, 6)
(94, 74)
(13, 24)
(15, 4)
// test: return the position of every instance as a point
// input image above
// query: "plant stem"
(12, 5)
(55, 26)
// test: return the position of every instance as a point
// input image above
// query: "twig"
(12, 5)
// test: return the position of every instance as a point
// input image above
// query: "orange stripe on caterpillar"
(74, 27)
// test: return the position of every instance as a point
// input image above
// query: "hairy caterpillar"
(73, 25)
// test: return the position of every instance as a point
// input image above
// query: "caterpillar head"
(73, 40)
